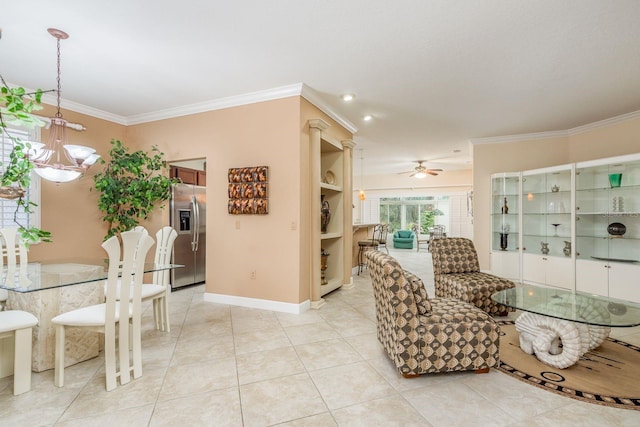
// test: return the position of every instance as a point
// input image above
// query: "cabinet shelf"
(331, 286)
(547, 236)
(327, 236)
(331, 187)
(629, 214)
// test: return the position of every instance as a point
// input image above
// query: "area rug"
(608, 375)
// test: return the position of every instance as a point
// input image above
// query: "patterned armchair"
(426, 335)
(457, 275)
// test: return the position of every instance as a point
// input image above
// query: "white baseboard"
(283, 307)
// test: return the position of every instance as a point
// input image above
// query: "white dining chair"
(17, 324)
(14, 253)
(104, 317)
(159, 290)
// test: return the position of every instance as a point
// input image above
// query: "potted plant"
(429, 218)
(131, 186)
(16, 107)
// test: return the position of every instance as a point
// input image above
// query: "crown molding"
(76, 107)
(84, 109)
(297, 89)
(519, 138)
(218, 104)
(556, 134)
(605, 122)
(313, 97)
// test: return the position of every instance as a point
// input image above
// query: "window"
(407, 212)
(8, 207)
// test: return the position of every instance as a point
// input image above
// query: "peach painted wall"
(70, 210)
(261, 134)
(273, 133)
(604, 141)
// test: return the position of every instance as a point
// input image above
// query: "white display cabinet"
(505, 225)
(547, 226)
(608, 227)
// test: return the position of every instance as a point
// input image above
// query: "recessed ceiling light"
(367, 118)
(346, 97)
(457, 151)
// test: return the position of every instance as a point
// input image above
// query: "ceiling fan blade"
(431, 172)
(412, 174)
(436, 170)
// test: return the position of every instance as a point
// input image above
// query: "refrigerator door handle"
(196, 229)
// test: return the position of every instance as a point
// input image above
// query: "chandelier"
(56, 160)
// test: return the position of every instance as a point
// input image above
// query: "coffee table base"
(556, 342)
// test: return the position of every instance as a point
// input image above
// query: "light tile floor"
(234, 366)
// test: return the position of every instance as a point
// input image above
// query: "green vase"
(615, 179)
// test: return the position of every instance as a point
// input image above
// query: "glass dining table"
(48, 288)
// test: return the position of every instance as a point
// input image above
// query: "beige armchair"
(457, 275)
(426, 335)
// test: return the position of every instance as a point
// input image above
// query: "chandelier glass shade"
(56, 160)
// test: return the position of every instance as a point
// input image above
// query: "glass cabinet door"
(608, 212)
(546, 212)
(505, 194)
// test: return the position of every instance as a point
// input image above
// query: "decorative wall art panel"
(248, 190)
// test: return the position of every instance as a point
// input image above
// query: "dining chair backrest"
(14, 251)
(135, 246)
(164, 249)
(13, 254)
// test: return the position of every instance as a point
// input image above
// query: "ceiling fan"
(421, 171)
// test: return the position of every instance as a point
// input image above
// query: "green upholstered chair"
(403, 239)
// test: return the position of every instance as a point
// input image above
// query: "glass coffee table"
(559, 326)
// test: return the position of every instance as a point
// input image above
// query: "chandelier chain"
(58, 114)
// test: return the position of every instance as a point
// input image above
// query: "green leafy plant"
(429, 218)
(16, 108)
(131, 186)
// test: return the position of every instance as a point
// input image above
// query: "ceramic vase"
(505, 208)
(325, 215)
(504, 241)
(544, 248)
(323, 266)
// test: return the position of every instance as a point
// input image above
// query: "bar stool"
(17, 324)
(367, 245)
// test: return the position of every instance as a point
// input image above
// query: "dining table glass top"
(40, 275)
(571, 305)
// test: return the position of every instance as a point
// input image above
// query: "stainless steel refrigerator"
(188, 213)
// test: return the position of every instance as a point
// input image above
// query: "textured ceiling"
(434, 74)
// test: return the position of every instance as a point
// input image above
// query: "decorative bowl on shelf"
(616, 229)
(329, 177)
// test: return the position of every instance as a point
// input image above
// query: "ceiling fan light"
(420, 175)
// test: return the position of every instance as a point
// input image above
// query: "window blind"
(8, 207)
